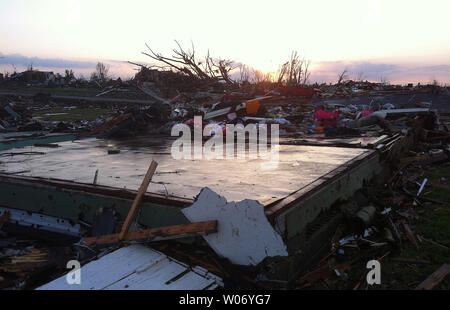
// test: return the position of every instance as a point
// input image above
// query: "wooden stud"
(157, 234)
(137, 200)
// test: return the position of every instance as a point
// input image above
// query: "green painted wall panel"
(75, 205)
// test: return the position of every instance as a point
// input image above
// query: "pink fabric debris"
(366, 113)
(326, 118)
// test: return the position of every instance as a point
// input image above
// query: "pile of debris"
(26, 263)
(381, 222)
(400, 224)
(16, 114)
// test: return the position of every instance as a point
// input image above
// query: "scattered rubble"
(161, 101)
(238, 242)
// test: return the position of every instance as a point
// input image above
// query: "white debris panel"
(40, 221)
(244, 235)
(137, 267)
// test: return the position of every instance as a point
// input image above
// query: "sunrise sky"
(403, 41)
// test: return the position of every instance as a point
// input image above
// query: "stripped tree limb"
(294, 71)
(210, 71)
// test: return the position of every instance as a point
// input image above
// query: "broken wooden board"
(157, 234)
(410, 235)
(434, 278)
(244, 235)
(137, 200)
(37, 260)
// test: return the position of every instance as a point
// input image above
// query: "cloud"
(325, 71)
(85, 67)
(328, 71)
(21, 60)
(357, 66)
(441, 68)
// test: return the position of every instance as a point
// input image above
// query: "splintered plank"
(434, 278)
(157, 234)
(137, 201)
(410, 234)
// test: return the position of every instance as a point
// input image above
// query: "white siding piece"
(244, 235)
(206, 273)
(158, 279)
(41, 221)
(135, 267)
(153, 278)
(191, 280)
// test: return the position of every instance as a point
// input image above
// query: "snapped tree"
(295, 71)
(209, 70)
(100, 75)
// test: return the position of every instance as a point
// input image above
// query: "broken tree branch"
(183, 61)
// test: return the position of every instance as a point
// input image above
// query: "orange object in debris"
(252, 106)
(116, 121)
(319, 129)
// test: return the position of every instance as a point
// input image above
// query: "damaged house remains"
(87, 174)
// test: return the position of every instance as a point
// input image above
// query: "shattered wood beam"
(157, 234)
(434, 243)
(137, 201)
(434, 278)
